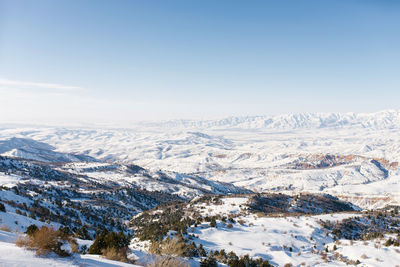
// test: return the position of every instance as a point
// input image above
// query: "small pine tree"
(31, 229)
(213, 223)
(106, 240)
(98, 243)
(83, 233)
(2, 207)
(64, 232)
(209, 262)
(202, 251)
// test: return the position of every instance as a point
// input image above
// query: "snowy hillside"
(13, 256)
(231, 227)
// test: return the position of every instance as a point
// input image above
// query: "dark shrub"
(44, 241)
(106, 241)
(83, 233)
(213, 222)
(2, 207)
(209, 262)
(98, 243)
(64, 232)
(31, 229)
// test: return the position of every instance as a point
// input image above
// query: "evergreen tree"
(31, 229)
(209, 262)
(2, 207)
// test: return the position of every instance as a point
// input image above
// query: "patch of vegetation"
(232, 260)
(167, 261)
(5, 228)
(31, 229)
(111, 245)
(176, 246)
(302, 204)
(367, 227)
(393, 241)
(154, 225)
(209, 262)
(44, 241)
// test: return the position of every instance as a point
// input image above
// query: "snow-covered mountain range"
(387, 119)
(353, 156)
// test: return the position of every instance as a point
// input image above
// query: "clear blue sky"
(136, 60)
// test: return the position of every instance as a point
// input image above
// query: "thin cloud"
(38, 85)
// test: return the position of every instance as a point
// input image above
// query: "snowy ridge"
(34, 150)
(387, 119)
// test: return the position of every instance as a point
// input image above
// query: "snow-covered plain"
(287, 153)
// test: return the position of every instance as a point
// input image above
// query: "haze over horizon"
(89, 62)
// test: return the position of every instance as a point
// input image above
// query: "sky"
(123, 61)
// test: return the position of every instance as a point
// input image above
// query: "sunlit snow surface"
(299, 240)
(294, 240)
(9, 180)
